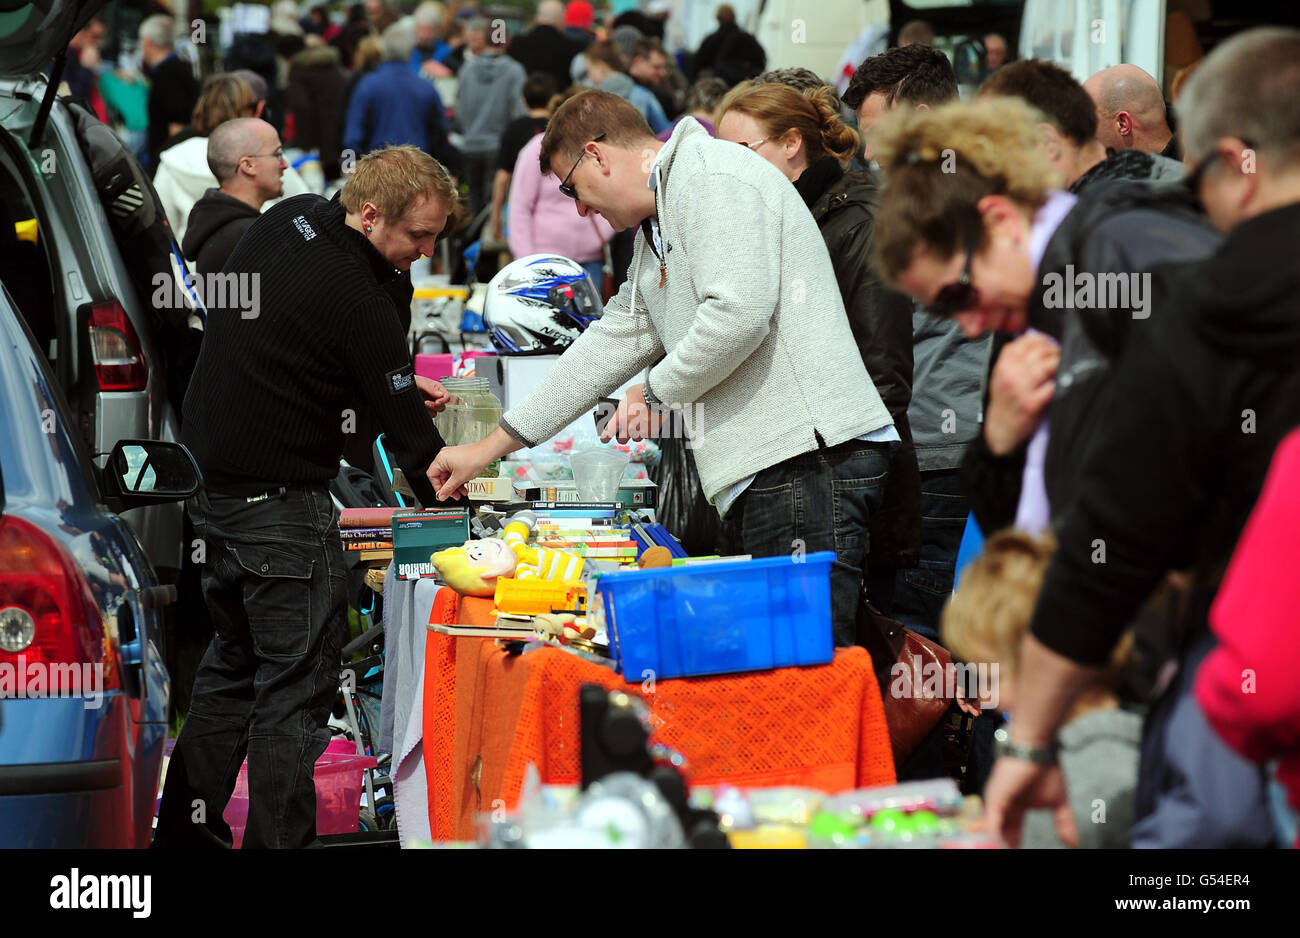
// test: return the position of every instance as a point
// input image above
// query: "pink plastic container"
(339, 782)
(436, 367)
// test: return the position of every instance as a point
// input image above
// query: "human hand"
(1020, 388)
(1016, 786)
(634, 419)
(432, 69)
(971, 708)
(436, 397)
(454, 466)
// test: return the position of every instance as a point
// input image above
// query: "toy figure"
(544, 562)
(473, 568)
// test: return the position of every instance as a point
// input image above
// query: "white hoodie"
(183, 176)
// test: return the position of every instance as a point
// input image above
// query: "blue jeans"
(919, 593)
(274, 579)
(596, 271)
(822, 500)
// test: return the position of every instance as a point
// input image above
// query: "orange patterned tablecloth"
(487, 715)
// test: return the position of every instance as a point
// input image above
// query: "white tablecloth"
(407, 605)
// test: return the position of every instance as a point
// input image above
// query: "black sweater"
(273, 395)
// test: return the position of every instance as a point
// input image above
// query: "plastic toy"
(532, 596)
(543, 562)
(474, 568)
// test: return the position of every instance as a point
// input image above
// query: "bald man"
(246, 157)
(1130, 111)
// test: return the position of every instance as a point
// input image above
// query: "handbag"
(901, 659)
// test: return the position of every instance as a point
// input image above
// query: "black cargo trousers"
(274, 580)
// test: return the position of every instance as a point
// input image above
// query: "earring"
(367, 229)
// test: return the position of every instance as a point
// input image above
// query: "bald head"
(244, 154)
(550, 13)
(1130, 109)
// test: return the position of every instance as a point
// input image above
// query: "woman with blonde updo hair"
(799, 131)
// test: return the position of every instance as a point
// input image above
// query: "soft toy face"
(472, 569)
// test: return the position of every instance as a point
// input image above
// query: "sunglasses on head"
(961, 294)
(565, 187)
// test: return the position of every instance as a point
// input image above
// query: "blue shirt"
(392, 105)
(419, 56)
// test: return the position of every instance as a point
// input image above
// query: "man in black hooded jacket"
(245, 156)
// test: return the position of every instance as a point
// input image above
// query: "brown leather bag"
(910, 717)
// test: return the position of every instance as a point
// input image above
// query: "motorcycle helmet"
(540, 303)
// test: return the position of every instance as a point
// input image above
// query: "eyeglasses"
(961, 295)
(753, 146)
(564, 186)
(278, 154)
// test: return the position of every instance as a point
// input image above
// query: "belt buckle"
(273, 493)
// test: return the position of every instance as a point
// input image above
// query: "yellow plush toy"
(473, 568)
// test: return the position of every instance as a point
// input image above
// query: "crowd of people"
(1045, 305)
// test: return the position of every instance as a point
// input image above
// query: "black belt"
(279, 491)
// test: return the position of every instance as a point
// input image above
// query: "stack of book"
(367, 535)
(590, 531)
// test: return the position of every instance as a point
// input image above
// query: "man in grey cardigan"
(731, 310)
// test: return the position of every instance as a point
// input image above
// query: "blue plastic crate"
(717, 618)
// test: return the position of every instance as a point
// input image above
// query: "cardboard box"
(419, 533)
(490, 490)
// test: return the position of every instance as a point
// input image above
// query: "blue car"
(83, 690)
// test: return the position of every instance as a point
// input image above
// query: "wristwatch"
(1039, 755)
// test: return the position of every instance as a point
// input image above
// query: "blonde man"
(306, 328)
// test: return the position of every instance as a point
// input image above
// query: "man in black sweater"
(1203, 392)
(305, 332)
(173, 89)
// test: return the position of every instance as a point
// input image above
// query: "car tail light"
(115, 348)
(49, 621)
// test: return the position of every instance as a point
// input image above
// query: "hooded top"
(216, 224)
(1116, 233)
(489, 96)
(183, 178)
(642, 99)
(1205, 390)
(1130, 164)
(773, 367)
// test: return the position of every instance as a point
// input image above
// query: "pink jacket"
(543, 220)
(1247, 685)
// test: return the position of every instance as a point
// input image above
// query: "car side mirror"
(148, 472)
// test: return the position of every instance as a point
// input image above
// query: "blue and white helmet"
(540, 303)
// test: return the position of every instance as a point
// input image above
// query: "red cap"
(579, 13)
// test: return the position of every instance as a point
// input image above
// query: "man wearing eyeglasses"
(733, 312)
(246, 157)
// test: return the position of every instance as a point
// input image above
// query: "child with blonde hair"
(984, 623)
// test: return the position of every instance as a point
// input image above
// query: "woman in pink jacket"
(1247, 686)
(542, 220)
